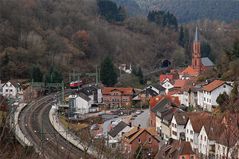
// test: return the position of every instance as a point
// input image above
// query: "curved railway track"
(35, 124)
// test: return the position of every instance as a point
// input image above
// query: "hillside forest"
(59, 37)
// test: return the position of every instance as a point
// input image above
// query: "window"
(150, 139)
(191, 140)
(139, 140)
(174, 133)
(6, 90)
(187, 130)
(191, 157)
(10, 90)
(191, 132)
(205, 138)
(186, 139)
(183, 157)
(201, 137)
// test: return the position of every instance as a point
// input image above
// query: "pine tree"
(108, 73)
(181, 41)
(36, 74)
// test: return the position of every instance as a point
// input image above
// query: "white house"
(193, 127)
(116, 133)
(11, 89)
(79, 104)
(123, 67)
(207, 140)
(200, 97)
(178, 124)
(185, 98)
(212, 90)
(167, 85)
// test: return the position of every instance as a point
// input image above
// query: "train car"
(76, 84)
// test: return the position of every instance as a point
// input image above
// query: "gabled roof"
(89, 90)
(181, 117)
(198, 119)
(164, 102)
(181, 83)
(125, 91)
(213, 85)
(85, 97)
(135, 132)
(190, 71)
(163, 77)
(118, 128)
(157, 86)
(174, 149)
(154, 100)
(207, 62)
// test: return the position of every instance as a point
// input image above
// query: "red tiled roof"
(163, 77)
(190, 71)
(180, 83)
(155, 100)
(125, 91)
(213, 85)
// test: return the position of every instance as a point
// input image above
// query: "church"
(199, 64)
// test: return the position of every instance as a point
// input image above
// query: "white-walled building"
(80, 104)
(116, 133)
(211, 91)
(178, 124)
(11, 89)
(193, 127)
(167, 84)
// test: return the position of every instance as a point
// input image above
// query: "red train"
(76, 84)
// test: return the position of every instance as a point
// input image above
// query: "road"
(35, 124)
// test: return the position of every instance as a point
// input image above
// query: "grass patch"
(73, 126)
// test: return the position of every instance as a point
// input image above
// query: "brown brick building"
(140, 141)
(117, 97)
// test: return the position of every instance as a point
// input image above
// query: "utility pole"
(42, 137)
(96, 76)
(63, 93)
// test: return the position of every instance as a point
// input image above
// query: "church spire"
(196, 54)
(196, 35)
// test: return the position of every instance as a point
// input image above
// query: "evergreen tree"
(36, 74)
(108, 73)
(223, 101)
(235, 50)
(54, 76)
(164, 19)
(205, 49)
(5, 60)
(181, 41)
(110, 11)
(140, 76)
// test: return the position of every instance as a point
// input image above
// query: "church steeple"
(196, 35)
(196, 54)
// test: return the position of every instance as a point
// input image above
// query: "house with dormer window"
(12, 89)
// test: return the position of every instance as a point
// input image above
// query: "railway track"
(35, 124)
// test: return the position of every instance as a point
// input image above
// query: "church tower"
(196, 54)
